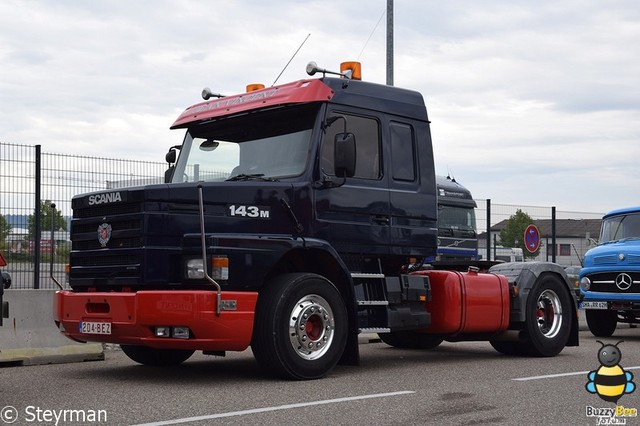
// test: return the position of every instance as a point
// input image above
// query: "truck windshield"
(266, 145)
(456, 221)
(620, 227)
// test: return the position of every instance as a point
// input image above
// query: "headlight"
(195, 269)
(585, 284)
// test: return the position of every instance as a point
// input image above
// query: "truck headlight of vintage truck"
(195, 269)
(219, 268)
(585, 283)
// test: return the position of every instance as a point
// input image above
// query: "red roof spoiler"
(301, 91)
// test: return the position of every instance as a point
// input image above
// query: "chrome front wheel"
(311, 325)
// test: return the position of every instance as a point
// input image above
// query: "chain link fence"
(565, 236)
(29, 177)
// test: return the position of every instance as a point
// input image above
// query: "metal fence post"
(37, 219)
(553, 233)
(488, 229)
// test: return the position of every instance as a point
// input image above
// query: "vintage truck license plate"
(594, 305)
(90, 327)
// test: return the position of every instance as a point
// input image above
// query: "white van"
(508, 254)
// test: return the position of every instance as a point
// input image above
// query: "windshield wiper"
(255, 176)
(629, 239)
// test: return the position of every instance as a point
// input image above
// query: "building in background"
(573, 238)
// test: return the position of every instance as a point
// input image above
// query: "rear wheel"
(548, 321)
(548, 318)
(156, 357)
(601, 323)
(408, 339)
(300, 327)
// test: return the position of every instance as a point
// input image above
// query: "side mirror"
(344, 155)
(6, 280)
(170, 157)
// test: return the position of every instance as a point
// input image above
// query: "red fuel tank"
(467, 302)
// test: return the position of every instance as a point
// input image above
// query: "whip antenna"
(294, 55)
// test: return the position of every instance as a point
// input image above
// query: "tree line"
(47, 215)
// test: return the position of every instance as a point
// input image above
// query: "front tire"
(156, 357)
(601, 323)
(300, 327)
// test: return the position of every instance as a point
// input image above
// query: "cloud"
(537, 98)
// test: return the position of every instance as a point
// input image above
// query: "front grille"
(107, 210)
(92, 227)
(94, 244)
(606, 282)
(106, 258)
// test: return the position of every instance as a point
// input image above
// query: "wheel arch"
(523, 276)
(323, 260)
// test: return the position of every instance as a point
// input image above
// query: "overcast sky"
(534, 103)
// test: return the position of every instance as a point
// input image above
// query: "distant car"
(573, 272)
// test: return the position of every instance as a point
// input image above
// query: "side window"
(367, 135)
(403, 152)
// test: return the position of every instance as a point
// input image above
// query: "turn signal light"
(220, 267)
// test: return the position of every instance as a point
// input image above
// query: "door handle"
(381, 220)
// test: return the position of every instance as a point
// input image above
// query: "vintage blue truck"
(610, 278)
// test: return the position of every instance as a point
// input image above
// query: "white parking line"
(276, 408)
(551, 376)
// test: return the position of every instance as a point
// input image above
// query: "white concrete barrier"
(29, 336)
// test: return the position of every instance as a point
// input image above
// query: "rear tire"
(548, 317)
(407, 339)
(156, 357)
(300, 327)
(601, 323)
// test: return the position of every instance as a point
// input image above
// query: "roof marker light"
(255, 86)
(352, 70)
(353, 67)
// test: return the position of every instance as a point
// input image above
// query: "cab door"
(353, 214)
(413, 202)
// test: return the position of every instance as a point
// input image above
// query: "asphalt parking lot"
(456, 383)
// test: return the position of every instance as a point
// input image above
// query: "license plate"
(594, 305)
(90, 327)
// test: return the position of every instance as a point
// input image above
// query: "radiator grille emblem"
(623, 281)
(104, 234)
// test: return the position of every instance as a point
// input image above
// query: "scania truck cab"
(293, 218)
(610, 277)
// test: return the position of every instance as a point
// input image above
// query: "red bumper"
(133, 317)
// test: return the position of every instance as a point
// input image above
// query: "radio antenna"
(294, 55)
(371, 35)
